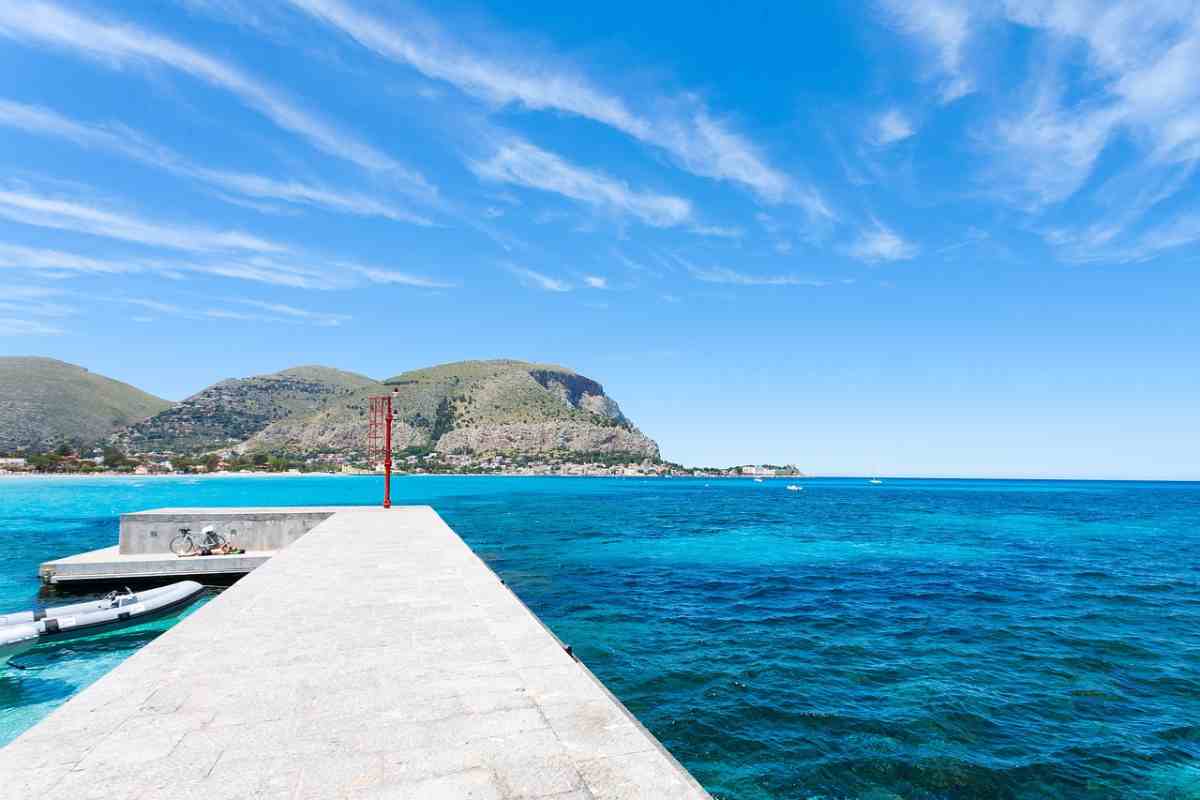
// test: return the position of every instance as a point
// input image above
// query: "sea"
(917, 639)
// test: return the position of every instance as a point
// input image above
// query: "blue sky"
(939, 238)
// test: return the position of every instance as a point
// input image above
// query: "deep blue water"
(919, 639)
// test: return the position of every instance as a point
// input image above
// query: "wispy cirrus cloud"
(944, 28)
(322, 318)
(1144, 57)
(33, 301)
(42, 260)
(1108, 243)
(149, 304)
(538, 280)
(131, 144)
(277, 312)
(1103, 75)
(718, 231)
(881, 243)
(386, 275)
(123, 44)
(736, 278)
(297, 271)
(890, 127)
(519, 162)
(51, 212)
(504, 74)
(595, 282)
(13, 326)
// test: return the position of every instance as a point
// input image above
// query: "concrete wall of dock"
(150, 532)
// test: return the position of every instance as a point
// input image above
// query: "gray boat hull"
(84, 619)
(128, 610)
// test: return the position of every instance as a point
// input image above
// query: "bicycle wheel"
(182, 544)
(214, 540)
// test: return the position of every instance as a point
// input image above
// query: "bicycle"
(185, 545)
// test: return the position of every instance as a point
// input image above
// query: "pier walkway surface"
(375, 657)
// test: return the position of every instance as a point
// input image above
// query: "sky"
(892, 238)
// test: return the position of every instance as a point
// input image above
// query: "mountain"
(468, 407)
(45, 403)
(228, 413)
(473, 407)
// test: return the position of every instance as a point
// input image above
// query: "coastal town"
(111, 461)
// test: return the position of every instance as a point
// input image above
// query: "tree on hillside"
(114, 458)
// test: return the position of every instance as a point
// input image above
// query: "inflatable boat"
(103, 604)
(116, 610)
(16, 639)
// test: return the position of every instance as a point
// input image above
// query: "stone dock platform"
(375, 657)
(143, 549)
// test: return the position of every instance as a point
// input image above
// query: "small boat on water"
(16, 639)
(20, 631)
(794, 488)
(758, 480)
(875, 481)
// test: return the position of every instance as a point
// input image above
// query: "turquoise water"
(919, 639)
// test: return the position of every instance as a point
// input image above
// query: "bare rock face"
(548, 437)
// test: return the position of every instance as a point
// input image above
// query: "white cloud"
(1136, 90)
(49, 212)
(729, 276)
(538, 280)
(321, 318)
(524, 164)
(279, 312)
(131, 144)
(595, 282)
(391, 276)
(718, 231)
(1047, 152)
(1104, 243)
(33, 301)
(880, 243)
(152, 305)
(682, 127)
(34, 259)
(1102, 72)
(16, 292)
(37, 309)
(943, 26)
(11, 326)
(122, 44)
(890, 127)
(297, 271)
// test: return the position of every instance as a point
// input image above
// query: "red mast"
(379, 439)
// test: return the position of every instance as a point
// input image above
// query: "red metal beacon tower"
(379, 439)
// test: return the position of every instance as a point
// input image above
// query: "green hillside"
(473, 407)
(227, 413)
(45, 403)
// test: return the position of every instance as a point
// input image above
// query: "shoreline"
(807, 477)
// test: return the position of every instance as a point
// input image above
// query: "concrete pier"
(375, 657)
(143, 549)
